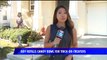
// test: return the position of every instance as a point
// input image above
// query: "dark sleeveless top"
(64, 43)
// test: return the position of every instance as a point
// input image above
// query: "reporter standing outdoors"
(61, 18)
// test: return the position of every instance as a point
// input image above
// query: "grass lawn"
(7, 43)
(8, 47)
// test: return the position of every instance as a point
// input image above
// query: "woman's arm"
(74, 45)
(47, 36)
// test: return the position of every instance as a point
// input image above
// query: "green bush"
(27, 35)
(23, 32)
(34, 36)
(4, 51)
(2, 28)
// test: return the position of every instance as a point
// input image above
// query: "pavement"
(92, 42)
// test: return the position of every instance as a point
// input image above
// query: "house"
(89, 17)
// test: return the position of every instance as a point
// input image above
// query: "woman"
(61, 18)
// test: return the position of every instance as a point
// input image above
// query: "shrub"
(4, 51)
(2, 28)
(27, 35)
(34, 36)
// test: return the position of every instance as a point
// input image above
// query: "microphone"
(59, 34)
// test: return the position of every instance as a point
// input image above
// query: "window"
(4, 17)
(31, 6)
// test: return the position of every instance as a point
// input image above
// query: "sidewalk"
(92, 41)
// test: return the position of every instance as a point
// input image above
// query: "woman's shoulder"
(48, 27)
(51, 25)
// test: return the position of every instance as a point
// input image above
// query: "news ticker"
(58, 51)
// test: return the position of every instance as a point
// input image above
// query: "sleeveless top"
(64, 43)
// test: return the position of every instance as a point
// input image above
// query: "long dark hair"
(69, 23)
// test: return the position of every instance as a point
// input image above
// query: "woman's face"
(61, 15)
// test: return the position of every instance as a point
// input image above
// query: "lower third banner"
(58, 51)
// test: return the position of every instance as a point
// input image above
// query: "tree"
(3, 3)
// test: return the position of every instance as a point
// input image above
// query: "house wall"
(46, 14)
(26, 14)
(82, 21)
(97, 18)
(13, 13)
(48, 8)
